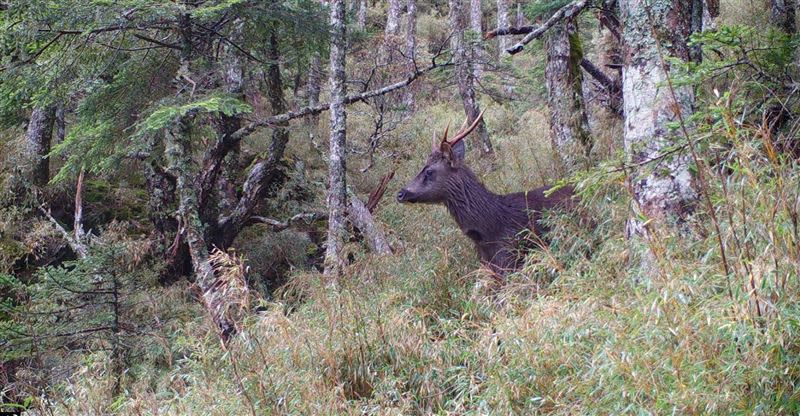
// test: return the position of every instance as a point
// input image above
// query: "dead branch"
(361, 218)
(565, 12)
(307, 218)
(377, 194)
(306, 111)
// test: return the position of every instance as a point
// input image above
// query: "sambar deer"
(495, 223)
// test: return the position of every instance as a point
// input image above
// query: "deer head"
(445, 163)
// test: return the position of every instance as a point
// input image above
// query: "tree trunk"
(179, 156)
(782, 15)
(361, 18)
(503, 22)
(464, 73)
(520, 16)
(710, 14)
(337, 192)
(610, 57)
(411, 48)
(476, 25)
(663, 190)
(265, 174)
(393, 18)
(37, 145)
(361, 218)
(569, 127)
(314, 84)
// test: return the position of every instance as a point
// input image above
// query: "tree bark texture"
(361, 218)
(179, 157)
(314, 86)
(782, 15)
(710, 14)
(464, 73)
(476, 25)
(411, 47)
(38, 135)
(266, 173)
(361, 17)
(393, 18)
(569, 127)
(337, 178)
(503, 21)
(662, 184)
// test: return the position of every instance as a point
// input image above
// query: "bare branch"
(565, 12)
(307, 218)
(291, 115)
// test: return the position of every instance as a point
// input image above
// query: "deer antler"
(462, 132)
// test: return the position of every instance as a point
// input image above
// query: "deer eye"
(427, 175)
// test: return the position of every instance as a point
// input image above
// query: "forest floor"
(425, 330)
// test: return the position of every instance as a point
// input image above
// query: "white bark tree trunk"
(361, 17)
(393, 18)
(569, 126)
(411, 48)
(663, 190)
(361, 218)
(503, 22)
(337, 192)
(476, 25)
(464, 73)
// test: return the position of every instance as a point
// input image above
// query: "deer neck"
(472, 206)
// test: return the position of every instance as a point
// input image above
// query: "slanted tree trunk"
(178, 154)
(782, 15)
(411, 48)
(36, 164)
(476, 25)
(361, 218)
(337, 178)
(393, 18)
(464, 73)
(178, 151)
(266, 173)
(663, 190)
(569, 127)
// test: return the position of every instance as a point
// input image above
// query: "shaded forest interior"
(199, 207)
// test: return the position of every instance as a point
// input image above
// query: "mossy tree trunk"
(662, 184)
(178, 152)
(265, 173)
(569, 127)
(38, 135)
(465, 74)
(337, 166)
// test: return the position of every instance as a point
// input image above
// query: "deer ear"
(454, 152)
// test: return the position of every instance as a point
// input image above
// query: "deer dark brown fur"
(495, 223)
